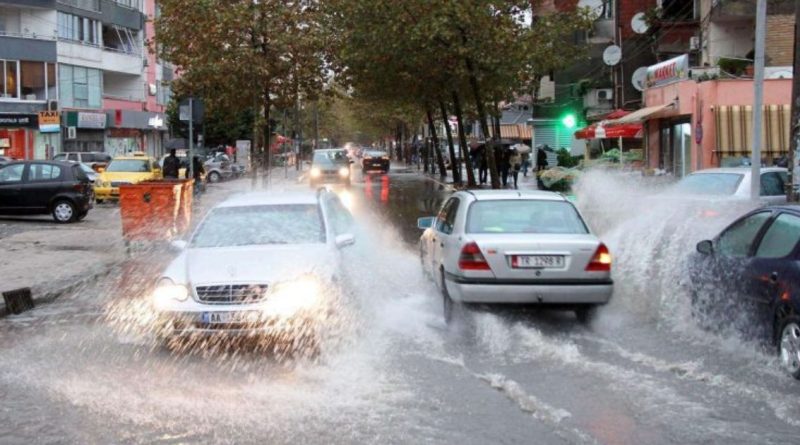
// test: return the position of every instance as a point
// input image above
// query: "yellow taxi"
(129, 169)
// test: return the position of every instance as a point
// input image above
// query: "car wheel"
(789, 345)
(64, 212)
(214, 177)
(586, 313)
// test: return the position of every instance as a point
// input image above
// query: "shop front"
(84, 131)
(135, 131)
(18, 132)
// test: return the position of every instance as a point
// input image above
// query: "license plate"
(538, 261)
(228, 317)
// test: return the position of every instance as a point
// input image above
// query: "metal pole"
(758, 96)
(794, 156)
(191, 137)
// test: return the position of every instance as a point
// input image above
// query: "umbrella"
(521, 148)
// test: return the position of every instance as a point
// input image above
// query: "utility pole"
(758, 100)
(191, 137)
(794, 157)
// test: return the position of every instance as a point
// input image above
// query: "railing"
(28, 35)
(130, 4)
(130, 52)
(91, 5)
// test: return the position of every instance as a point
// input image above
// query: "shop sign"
(18, 120)
(155, 121)
(49, 122)
(91, 120)
(667, 72)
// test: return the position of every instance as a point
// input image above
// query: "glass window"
(44, 172)
(781, 238)
(524, 216)
(12, 80)
(709, 183)
(51, 81)
(736, 240)
(446, 219)
(12, 173)
(261, 225)
(129, 165)
(772, 184)
(32, 80)
(80, 87)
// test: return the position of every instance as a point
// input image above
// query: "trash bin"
(155, 210)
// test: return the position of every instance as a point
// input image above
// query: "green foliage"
(565, 158)
(733, 66)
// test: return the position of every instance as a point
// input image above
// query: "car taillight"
(471, 258)
(79, 187)
(601, 261)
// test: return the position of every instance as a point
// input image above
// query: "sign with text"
(669, 71)
(92, 120)
(49, 121)
(18, 120)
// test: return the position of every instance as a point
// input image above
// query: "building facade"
(87, 61)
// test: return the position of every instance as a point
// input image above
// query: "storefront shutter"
(735, 130)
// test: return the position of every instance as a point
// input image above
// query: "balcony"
(126, 62)
(27, 46)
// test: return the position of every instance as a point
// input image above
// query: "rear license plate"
(538, 261)
(228, 317)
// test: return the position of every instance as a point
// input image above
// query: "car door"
(444, 240)
(770, 270)
(11, 185)
(726, 269)
(772, 187)
(43, 183)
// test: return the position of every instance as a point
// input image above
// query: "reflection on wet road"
(69, 375)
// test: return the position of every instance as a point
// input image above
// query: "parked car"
(131, 169)
(733, 183)
(5, 160)
(61, 189)
(90, 173)
(375, 160)
(94, 159)
(279, 280)
(509, 247)
(330, 166)
(220, 167)
(748, 278)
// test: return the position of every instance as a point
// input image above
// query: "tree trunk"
(437, 152)
(255, 156)
(489, 152)
(462, 138)
(267, 139)
(454, 164)
(425, 157)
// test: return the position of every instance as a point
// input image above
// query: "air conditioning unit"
(694, 43)
(152, 89)
(604, 94)
(52, 105)
(72, 132)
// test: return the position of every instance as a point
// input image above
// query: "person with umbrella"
(515, 160)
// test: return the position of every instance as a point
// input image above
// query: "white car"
(259, 263)
(514, 247)
(733, 183)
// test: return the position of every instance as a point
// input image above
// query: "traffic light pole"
(794, 146)
(758, 95)
(191, 137)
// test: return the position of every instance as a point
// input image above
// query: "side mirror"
(345, 240)
(426, 222)
(179, 244)
(705, 247)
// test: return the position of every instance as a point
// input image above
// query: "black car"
(375, 160)
(331, 166)
(46, 187)
(748, 279)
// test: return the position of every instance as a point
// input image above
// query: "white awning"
(640, 115)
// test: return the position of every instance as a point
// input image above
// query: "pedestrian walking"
(172, 166)
(516, 165)
(541, 165)
(197, 171)
(483, 165)
(526, 164)
(502, 161)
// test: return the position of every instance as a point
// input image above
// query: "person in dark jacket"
(503, 166)
(172, 166)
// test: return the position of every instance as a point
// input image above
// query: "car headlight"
(344, 172)
(167, 292)
(315, 172)
(288, 298)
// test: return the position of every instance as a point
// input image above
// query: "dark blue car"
(748, 279)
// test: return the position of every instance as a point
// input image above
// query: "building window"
(90, 5)
(24, 80)
(10, 80)
(678, 10)
(133, 4)
(79, 29)
(124, 40)
(80, 87)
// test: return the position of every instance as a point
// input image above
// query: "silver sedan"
(512, 247)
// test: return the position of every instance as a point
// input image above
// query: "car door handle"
(773, 277)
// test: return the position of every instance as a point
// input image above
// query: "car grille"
(231, 293)
(119, 183)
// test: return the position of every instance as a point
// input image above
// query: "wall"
(780, 40)
(127, 88)
(709, 94)
(41, 22)
(730, 39)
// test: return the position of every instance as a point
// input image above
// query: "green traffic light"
(569, 121)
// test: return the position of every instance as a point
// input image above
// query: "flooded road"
(641, 373)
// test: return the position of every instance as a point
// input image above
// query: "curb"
(52, 295)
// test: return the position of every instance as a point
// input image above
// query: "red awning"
(599, 131)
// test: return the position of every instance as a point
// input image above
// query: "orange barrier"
(155, 210)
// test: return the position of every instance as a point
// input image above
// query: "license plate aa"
(226, 317)
(539, 261)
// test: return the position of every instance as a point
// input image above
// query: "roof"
(270, 198)
(493, 195)
(737, 170)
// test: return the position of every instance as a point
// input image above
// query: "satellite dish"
(639, 77)
(595, 7)
(639, 23)
(612, 55)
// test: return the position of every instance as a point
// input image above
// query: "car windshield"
(128, 165)
(709, 183)
(60, 157)
(261, 225)
(330, 157)
(376, 154)
(524, 216)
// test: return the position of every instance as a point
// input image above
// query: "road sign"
(49, 122)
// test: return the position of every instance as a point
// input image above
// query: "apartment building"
(83, 64)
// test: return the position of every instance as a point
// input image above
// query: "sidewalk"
(53, 258)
